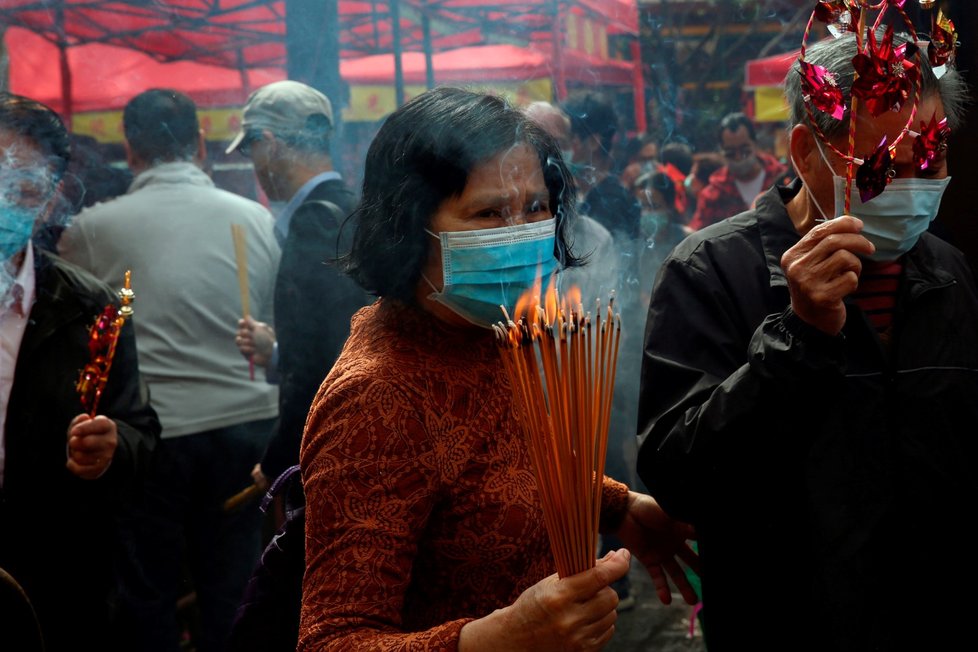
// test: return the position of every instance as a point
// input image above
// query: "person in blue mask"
(424, 528)
(65, 473)
(810, 393)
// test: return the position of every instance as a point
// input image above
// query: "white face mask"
(893, 220)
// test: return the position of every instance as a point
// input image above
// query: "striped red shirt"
(877, 292)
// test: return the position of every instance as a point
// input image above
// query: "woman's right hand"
(576, 613)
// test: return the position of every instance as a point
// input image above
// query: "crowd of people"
(795, 391)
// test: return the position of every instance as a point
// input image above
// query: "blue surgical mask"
(487, 268)
(895, 219)
(16, 227)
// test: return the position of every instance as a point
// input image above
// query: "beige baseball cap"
(281, 107)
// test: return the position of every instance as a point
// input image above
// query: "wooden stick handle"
(240, 237)
(242, 497)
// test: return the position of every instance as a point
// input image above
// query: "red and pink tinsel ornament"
(931, 142)
(875, 173)
(885, 74)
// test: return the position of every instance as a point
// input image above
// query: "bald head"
(552, 120)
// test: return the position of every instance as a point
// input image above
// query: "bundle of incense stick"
(240, 237)
(561, 365)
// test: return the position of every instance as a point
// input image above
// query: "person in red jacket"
(748, 171)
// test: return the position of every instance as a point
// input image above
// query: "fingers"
(259, 478)
(610, 568)
(83, 425)
(594, 636)
(678, 576)
(91, 445)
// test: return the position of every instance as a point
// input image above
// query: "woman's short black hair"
(423, 155)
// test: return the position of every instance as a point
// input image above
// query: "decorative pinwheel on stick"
(885, 78)
(102, 340)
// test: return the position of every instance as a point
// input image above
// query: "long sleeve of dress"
(371, 482)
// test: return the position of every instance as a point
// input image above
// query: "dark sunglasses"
(250, 138)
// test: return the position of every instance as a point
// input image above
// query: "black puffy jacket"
(829, 478)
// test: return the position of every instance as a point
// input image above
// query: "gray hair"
(835, 55)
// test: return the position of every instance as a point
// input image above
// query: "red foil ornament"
(840, 15)
(885, 76)
(931, 142)
(819, 87)
(875, 173)
(102, 339)
(943, 40)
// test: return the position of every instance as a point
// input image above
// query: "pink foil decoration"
(875, 172)
(931, 141)
(820, 88)
(885, 75)
(943, 40)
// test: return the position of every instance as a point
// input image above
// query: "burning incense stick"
(240, 237)
(102, 340)
(562, 370)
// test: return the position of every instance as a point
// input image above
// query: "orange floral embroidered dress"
(422, 510)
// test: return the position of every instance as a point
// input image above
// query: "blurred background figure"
(704, 165)
(677, 164)
(587, 238)
(641, 156)
(173, 230)
(90, 179)
(64, 474)
(593, 125)
(663, 225)
(746, 172)
(286, 132)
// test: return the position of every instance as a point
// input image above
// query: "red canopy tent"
(120, 74)
(245, 34)
(486, 63)
(769, 71)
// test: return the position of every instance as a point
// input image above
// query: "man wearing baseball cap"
(285, 132)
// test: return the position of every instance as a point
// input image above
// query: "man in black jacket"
(63, 473)
(810, 395)
(285, 131)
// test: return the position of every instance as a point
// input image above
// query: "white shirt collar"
(20, 297)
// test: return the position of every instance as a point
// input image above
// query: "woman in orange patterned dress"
(424, 529)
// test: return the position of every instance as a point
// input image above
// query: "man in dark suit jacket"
(63, 473)
(285, 132)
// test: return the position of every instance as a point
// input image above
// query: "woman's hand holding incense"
(576, 613)
(659, 541)
(255, 340)
(91, 445)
